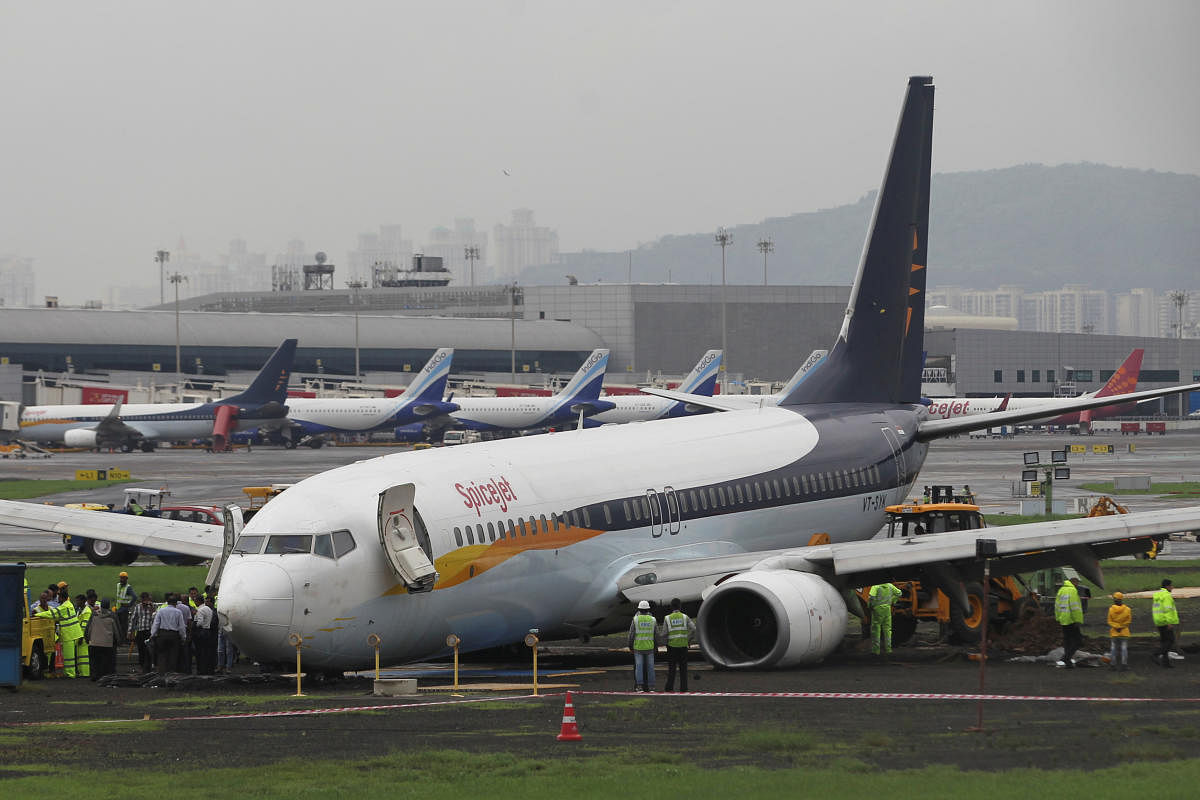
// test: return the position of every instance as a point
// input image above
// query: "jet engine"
(80, 437)
(771, 618)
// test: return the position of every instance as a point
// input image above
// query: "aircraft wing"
(938, 428)
(186, 538)
(716, 403)
(941, 559)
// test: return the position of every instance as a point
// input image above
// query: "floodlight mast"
(724, 238)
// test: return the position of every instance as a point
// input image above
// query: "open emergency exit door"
(234, 522)
(402, 540)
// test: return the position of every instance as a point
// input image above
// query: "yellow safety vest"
(677, 629)
(643, 634)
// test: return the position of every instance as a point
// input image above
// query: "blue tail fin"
(702, 379)
(864, 364)
(430, 383)
(586, 383)
(912, 363)
(271, 382)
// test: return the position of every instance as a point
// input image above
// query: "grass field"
(451, 775)
(157, 580)
(1185, 489)
(24, 490)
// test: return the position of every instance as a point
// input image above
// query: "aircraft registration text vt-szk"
(761, 518)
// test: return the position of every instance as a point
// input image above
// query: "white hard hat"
(643, 606)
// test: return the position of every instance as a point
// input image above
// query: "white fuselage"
(954, 407)
(154, 420)
(632, 408)
(585, 507)
(345, 413)
(505, 413)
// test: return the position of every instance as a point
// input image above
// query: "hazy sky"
(128, 125)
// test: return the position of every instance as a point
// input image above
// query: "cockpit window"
(343, 543)
(248, 544)
(289, 543)
(324, 545)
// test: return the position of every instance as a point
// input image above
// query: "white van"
(460, 437)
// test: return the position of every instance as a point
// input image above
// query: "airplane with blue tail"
(702, 380)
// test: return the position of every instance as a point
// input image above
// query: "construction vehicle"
(1009, 599)
(259, 496)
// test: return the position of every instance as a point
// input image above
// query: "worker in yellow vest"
(83, 656)
(69, 630)
(881, 598)
(1069, 613)
(678, 630)
(1166, 619)
(643, 632)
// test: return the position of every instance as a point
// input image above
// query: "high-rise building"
(1136, 313)
(522, 244)
(16, 281)
(451, 246)
(386, 250)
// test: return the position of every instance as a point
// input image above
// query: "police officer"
(678, 630)
(1069, 613)
(1166, 619)
(642, 641)
(880, 599)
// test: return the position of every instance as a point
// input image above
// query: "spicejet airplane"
(1124, 380)
(143, 424)
(759, 517)
(580, 397)
(308, 418)
(640, 408)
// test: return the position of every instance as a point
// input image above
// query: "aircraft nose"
(255, 603)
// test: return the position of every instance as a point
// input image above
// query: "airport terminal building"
(652, 329)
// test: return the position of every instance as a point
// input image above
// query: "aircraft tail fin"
(812, 362)
(586, 383)
(271, 382)
(703, 377)
(1125, 379)
(870, 358)
(430, 384)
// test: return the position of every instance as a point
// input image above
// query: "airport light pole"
(765, 246)
(162, 257)
(471, 253)
(512, 322)
(1180, 299)
(354, 286)
(724, 238)
(176, 278)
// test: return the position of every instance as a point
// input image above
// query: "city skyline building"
(522, 244)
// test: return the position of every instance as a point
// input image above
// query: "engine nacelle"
(771, 618)
(79, 437)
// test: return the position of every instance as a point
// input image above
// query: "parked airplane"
(144, 424)
(1123, 381)
(739, 402)
(579, 398)
(757, 516)
(309, 419)
(641, 408)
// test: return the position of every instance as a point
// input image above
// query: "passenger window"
(491, 532)
(646, 507)
(804, 483)
(786, 491)
(767, 489)
(703, 500)
(721, 495)
(545, 527)
(758, 491)
(712, 497)
(587, 518)
(737, 490)
(607, 515)
(470, 534)
(554, 521)
(837, 477)
(289, 543)
(324, 546)
(796, 485)
(671, 504)
(683, 506)
(343, 542)
(575, 518)
(628, 516)
(821, 480)
(248, 544)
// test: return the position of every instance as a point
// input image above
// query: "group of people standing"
(1068, 612)
(176, 635)
(677, 632)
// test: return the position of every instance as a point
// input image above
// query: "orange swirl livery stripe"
(464, 563)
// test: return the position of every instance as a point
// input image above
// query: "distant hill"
(1033, 226)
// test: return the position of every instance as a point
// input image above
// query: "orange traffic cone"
(570, 731)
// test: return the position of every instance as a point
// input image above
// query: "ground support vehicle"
(141, 502)
(26, 641)
(1009, 600)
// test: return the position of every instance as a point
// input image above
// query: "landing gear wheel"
(36, 669)
(965, 627)
(103, 552)
(903, 628)
(147, 446)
